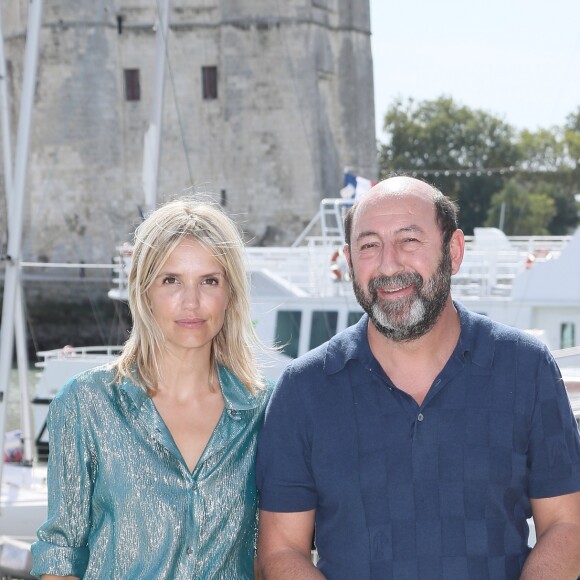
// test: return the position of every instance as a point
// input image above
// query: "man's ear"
(456, 250)
(346, 252)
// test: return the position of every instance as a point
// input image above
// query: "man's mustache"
(397, 281)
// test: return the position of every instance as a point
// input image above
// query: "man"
(421, 439)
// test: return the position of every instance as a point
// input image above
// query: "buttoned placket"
(193, 477)
(192, 532)
(418, 412)
(161, 436)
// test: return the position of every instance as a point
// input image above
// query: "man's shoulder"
(484, 328)
(332, 355)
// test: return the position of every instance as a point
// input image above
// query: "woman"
(151, 468)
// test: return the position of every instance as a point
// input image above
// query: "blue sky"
(516, 59)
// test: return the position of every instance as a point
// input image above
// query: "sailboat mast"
(12, 271)
(152, 145)
(19, 322)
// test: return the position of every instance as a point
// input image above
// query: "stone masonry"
(294, 107)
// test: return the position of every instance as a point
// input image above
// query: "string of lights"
(476, 172)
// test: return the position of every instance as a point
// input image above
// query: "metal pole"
(20, 323)
(12, 273)
(502, 216)
(152, 145)
(5, 110)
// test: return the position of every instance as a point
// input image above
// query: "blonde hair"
(155, 238)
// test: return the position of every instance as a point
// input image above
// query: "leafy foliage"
(518, 211)
(482, 162)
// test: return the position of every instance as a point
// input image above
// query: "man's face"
(412, 315)
(401, 273)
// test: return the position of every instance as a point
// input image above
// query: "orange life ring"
(539, 253)
(334, 269)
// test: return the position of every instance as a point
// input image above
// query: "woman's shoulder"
(264, 392)
(240, 395)
(94, 382)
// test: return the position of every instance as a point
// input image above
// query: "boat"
(301, 295)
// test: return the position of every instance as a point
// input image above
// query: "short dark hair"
(446, 214)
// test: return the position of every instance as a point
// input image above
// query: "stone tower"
(265, 103)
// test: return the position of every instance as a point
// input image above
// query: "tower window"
(209, 82)
(132, 85)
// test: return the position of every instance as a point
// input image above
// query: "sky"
(516, 59)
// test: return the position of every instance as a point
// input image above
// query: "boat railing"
(489, 271)
(306, 269)
(77, 353)
(314, 264)
(567, 356)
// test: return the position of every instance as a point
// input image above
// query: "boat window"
(567, 335)
(287, 334)
(323, 326)
(132, 84)
(353, 317)
(209, 82)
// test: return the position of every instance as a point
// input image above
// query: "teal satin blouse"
(122, 503)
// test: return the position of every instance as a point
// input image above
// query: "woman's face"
(188, 299)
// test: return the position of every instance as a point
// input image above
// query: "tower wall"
(294, 107)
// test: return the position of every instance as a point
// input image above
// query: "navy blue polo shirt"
(433, 491)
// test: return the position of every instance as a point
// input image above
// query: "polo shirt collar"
(476, 339)
(352, 343)
(475, 342)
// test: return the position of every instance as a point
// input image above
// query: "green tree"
(454, 147)
(541, 151)
(550, 161)
(522, 212)
(471, 155)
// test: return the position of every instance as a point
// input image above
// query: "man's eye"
(410, 243)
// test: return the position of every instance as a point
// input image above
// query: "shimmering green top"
(122, 503)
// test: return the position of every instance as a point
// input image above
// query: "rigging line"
(175, 100)
(97, 315)
(119, 329)
(307, 136)
(119, 52)
(30, 327)
(222, 174)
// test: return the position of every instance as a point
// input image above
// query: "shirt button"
(194, 486)
(234, 414)
(420, 417)
(189, 551)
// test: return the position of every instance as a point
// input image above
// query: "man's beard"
(414, 315)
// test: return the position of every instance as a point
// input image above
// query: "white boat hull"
(23, 500)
